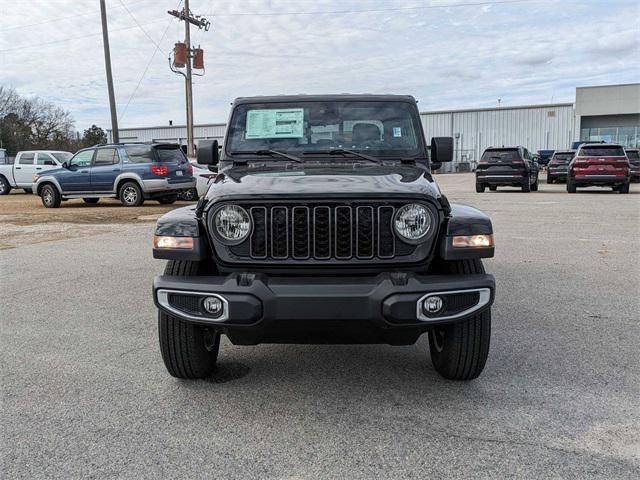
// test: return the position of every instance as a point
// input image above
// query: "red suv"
(599, 164)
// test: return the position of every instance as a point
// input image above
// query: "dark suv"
(599, 164)
(507, 166)
(324, 225)
(559, 166)
(130, 172)
(634, 164)
(544, 156)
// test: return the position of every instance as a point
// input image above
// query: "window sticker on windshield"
(275, 123)
(397, 132)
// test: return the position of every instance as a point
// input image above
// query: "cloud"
(455, 57)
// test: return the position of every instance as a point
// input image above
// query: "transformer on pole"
(189, 58)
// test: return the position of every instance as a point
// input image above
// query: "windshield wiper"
(277, 153)
(344, 151)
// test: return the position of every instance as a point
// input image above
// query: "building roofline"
(493, 109)
(609, 86)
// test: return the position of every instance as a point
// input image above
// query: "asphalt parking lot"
(85, 393)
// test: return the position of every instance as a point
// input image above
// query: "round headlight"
(413, 222)
(233, 224)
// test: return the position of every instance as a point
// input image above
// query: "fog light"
(432, 304)
(213, 306)
(471, 241)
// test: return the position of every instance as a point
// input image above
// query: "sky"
(448, 54)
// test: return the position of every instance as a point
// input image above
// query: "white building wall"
(177, 134)
(536, 127)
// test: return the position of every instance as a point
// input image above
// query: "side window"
(44, 159)
(106, 156)
(82, 159)
(141, 154)
(27, 159)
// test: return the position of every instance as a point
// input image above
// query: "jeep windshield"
(354, 130)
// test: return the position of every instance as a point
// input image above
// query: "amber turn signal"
(471, 241)
(168, 243)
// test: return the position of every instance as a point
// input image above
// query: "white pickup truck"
(26, 165)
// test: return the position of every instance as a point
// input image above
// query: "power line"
(68, 39)
(372, 10)
(51, 20)
(144, 73)
(140, 26)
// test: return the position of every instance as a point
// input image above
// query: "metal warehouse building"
(610, 113)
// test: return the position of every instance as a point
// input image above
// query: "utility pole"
(201, 23)
(107, 62)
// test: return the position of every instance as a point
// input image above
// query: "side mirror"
(208, 153)
(441, 150)
(50, 162)
(65, 165)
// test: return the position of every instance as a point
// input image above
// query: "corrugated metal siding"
(170, 133)
(534, 127)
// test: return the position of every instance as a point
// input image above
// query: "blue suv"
(131, 172)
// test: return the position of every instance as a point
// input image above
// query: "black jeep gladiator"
(324, 225)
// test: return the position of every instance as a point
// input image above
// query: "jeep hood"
(398, 181)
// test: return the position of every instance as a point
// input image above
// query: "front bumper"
(382, 309)
(163, 185)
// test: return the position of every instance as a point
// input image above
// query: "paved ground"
(85, 394)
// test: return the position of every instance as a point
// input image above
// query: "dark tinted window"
(106, 156)
(562, 157)
(493, 156)
(170, 155)
(633, 154)
(27, 158)
(139, 154)
(597, 151)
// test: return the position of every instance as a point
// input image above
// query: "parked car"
(130, 172)
(507, 166)
(203, 178)
(544, 156)
(633, 154)
(559, 166)
(26, 164)
(602, 165)
(324, 225)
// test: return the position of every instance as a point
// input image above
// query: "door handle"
(84, 171)
(115, 170)
(38, 168)
(18, 168)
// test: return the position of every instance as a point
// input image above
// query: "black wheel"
(130, 195)
(50, 196)
(571, 186)
(5, 188)
(479, 187)
(190, 195)
(534, 186)
(459, 351)
(493, 188)
(188, 350)
(168, 199)
(28, 190)
(624, 188)
(91, 201)
(527, 186)
(549, 180)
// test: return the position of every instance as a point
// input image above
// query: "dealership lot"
(84, 391)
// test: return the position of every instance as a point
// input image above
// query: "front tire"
(459, 351)
(624, 188)
(493, 188)
(571, 186)
(480, 187)
(190, 195)
(188, 350)
(549, 180)
(534, 186)
(130, 195)
(50, 196)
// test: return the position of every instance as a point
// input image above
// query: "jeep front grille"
(315, 232)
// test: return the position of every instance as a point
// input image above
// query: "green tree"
(93, 135)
